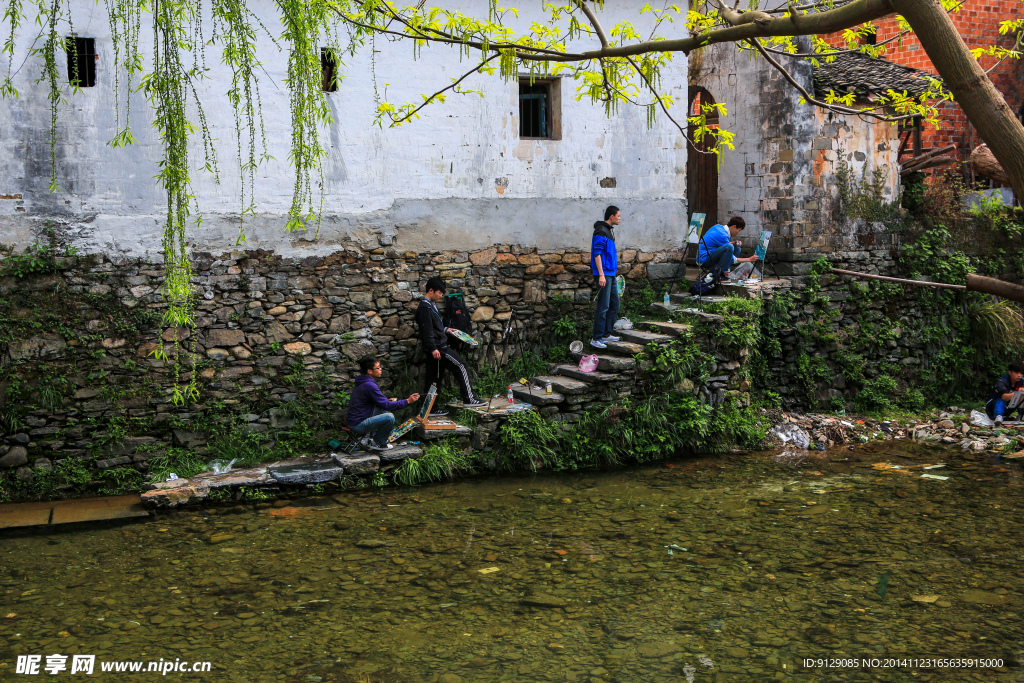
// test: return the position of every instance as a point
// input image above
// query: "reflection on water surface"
(725, 569)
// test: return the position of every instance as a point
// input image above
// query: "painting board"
(762, 244)
(428, 404)
(696, 228)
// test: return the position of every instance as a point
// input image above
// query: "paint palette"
(402, 429)
(463, 337)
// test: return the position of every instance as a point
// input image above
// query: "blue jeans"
(998, 407)
(378, 427)
(721, 258)
(607, 308)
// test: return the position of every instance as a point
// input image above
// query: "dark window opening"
(539, 109)
(329, 70)
(81, 54)
(871, 38)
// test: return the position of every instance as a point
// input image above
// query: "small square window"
(329, 70)
(81, 54)
(540, 106)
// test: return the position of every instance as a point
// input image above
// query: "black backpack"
(456, 314)
(706, 285)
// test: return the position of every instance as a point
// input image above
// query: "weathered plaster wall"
(782, 174)
(459, 176)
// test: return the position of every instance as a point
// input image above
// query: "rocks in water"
(372, 543)
(543, 600)
(980, 597)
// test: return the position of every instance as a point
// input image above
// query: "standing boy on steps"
(440, 356)
(604, 264)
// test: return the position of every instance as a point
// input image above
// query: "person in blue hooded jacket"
(369, 410)
(604, 264)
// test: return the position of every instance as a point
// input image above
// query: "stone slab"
(684, 311)
(614, 364)
(686, 299)
(671, 329)
(315, 473)
(624, 348)
(574, 372)
(256, 476)
(497, 406)
(537, 396)
(564, 385)
(98, 509)
(401, 451)
(439, 434)
(357, 463)
(644, 338)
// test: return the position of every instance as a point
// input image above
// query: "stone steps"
(573, 372)
(675, 330)
(613, 364)
(686, 311)
(538, 396)
(686, 299)
(644, 338)
(623, 348)
(564, 385)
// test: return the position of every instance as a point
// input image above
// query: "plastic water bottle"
(666, 299)
(510, 399)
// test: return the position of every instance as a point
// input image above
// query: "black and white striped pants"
(450, 360)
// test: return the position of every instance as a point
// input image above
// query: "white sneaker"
(597, 344)
(611, 338)
(999, 421)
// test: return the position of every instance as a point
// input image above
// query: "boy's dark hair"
(435, 283)
(610, 211)
(367, 363)
(1015, 367)
(737, 221)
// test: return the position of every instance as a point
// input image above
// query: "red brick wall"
(978, 23)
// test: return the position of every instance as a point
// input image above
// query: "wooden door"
(701, 164)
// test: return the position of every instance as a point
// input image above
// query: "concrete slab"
(14, 515)
(306, 474)
(98, 509)
(438, 434)
(496, 407)
(624, 348)
(608, 363)
(671, 329)
(401, 451)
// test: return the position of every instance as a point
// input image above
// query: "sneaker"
(597, 344)
(372, 445)
(439, 413)
(611, 338)
(475, 404)
(366, 443)
(999, 421)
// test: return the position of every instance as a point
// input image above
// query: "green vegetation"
(439, 461)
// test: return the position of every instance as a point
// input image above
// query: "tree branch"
(455, 84)
(593, 22)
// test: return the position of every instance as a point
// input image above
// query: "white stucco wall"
(459, 177)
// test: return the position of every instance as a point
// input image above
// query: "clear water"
(725, 569)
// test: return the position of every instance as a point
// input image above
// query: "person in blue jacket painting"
(604, 264)
(719, 248)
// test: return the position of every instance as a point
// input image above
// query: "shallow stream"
(736, 568)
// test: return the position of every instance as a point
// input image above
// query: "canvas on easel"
(425, 419)
(696, 228)
(762, 250)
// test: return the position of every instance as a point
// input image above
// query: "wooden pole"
(988, 285)
(901, 281)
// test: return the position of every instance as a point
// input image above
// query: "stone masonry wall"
(258, 316)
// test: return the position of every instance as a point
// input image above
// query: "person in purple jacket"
(369, 411)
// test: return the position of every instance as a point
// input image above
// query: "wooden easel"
(433, 423)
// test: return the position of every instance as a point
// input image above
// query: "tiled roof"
(867, 76)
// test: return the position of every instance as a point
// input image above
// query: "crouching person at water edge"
(1006, 386)
(441, 357)
(368, 409)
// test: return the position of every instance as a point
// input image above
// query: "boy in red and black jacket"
(440, 356)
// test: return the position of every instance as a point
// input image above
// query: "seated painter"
(369, 411)
(999, 402)
(720, 250)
